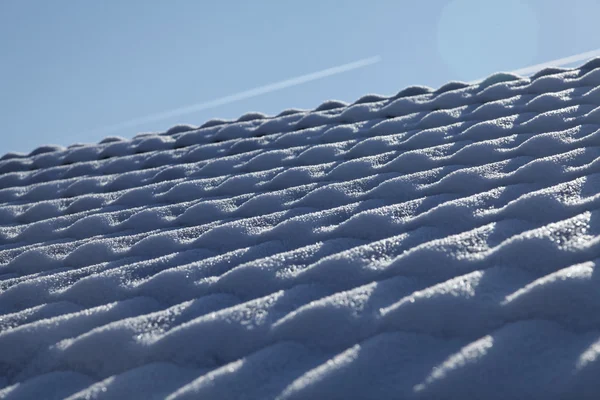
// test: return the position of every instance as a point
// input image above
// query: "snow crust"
(430, 245)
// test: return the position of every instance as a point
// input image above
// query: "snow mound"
(436, 244)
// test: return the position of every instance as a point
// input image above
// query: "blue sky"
(71, 70)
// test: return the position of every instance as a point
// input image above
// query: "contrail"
(559, 62)
(272, 87)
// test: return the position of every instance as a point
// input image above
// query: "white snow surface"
(429, 245)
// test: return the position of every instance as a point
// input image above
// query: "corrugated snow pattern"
(430, 245)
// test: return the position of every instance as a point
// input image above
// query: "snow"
(436, 244)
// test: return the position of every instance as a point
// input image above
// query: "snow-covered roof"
(430, 245)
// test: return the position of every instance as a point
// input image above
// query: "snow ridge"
(429, 245)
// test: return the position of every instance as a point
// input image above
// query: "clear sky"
(71, 71)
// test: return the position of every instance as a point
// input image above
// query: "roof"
(432, 244)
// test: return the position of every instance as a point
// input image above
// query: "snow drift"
(429, 245)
